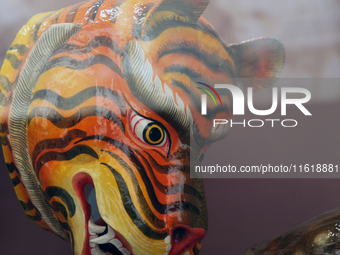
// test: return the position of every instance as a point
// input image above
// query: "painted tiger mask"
(96, 121)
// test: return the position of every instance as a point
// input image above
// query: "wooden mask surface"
(95, 116)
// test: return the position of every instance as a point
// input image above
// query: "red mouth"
(101, 239)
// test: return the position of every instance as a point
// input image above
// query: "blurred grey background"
(241, 212)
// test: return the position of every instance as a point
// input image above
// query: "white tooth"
(95, 229)
(124, 251)
(167, 239)
(105, 238)
(168, 248)
(158, 83)
(187, 253)
(116, 243)
(96, 251)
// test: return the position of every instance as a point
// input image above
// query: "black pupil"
(155, 134)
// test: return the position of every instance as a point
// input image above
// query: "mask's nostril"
(184, 238)
(179, 234)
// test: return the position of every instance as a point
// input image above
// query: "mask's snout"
(184, 238)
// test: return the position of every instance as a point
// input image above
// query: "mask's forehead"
(174, 57)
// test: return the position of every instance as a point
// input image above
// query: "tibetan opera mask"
(96, 120)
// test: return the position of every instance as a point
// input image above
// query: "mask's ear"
(258, 63)
(258, 58)
(185, 10)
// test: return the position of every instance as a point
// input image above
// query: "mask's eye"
(149, 131)
(153, 134)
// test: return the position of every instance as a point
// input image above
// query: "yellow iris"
(151, 139)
